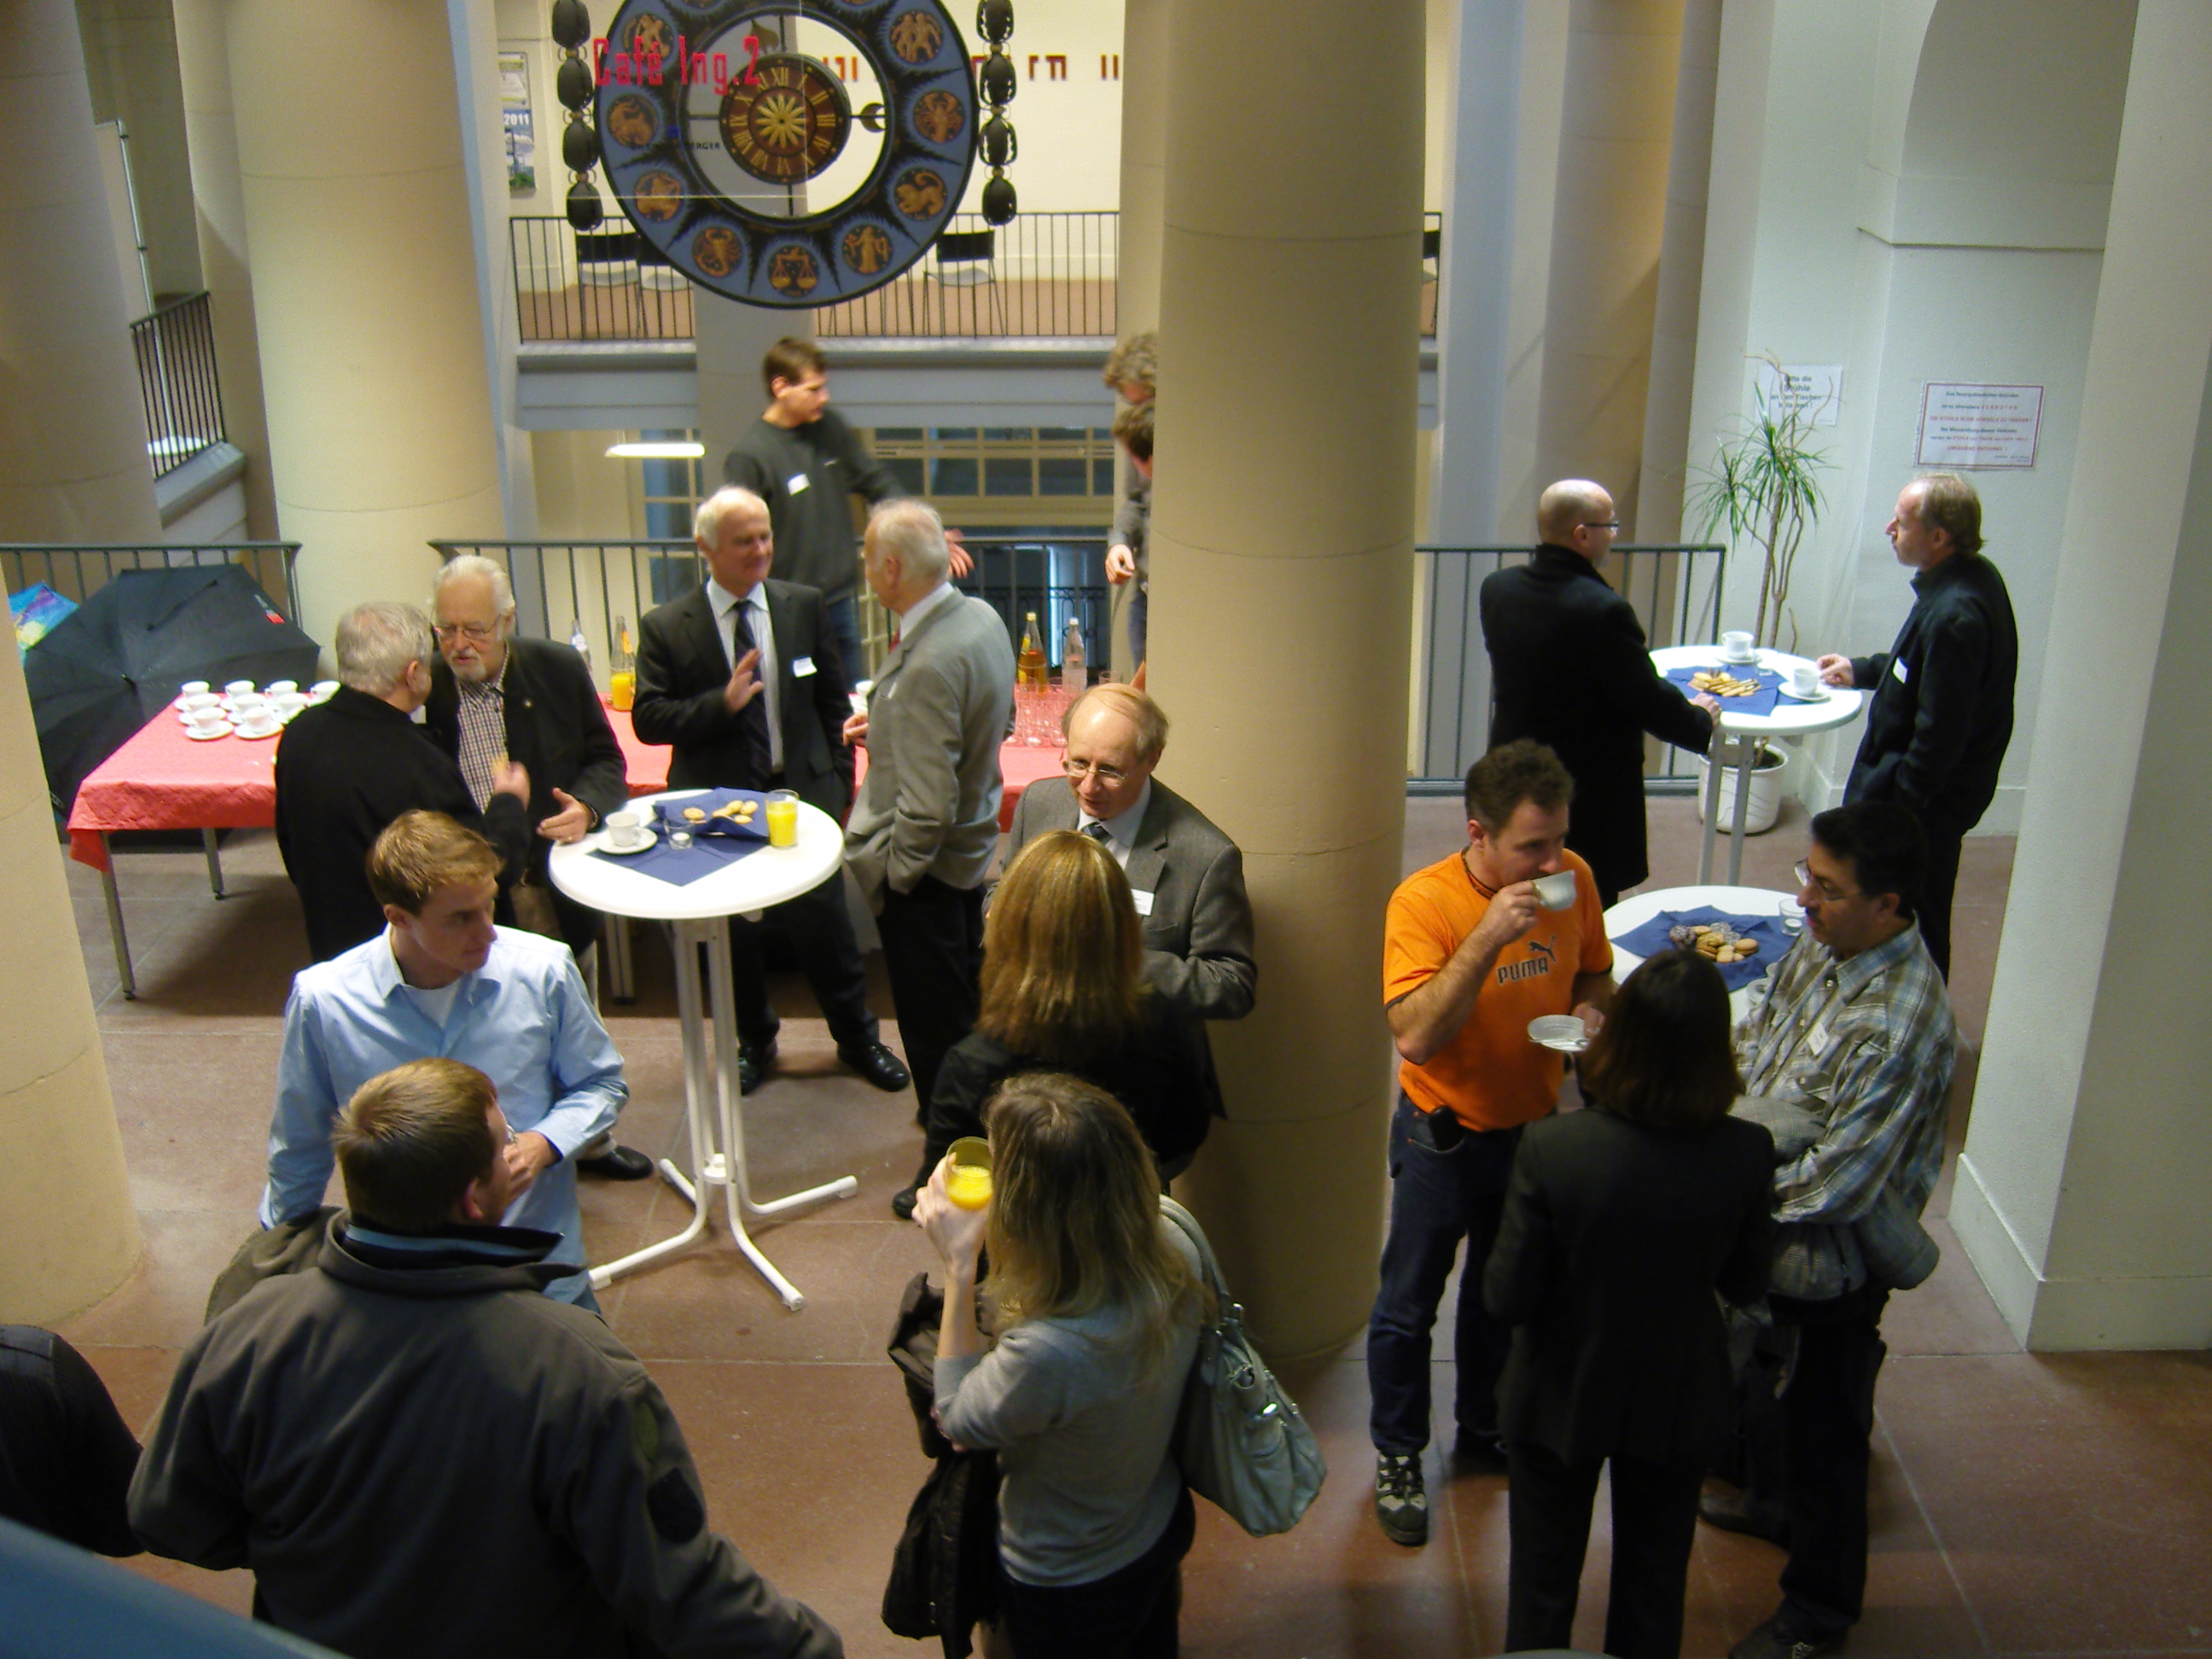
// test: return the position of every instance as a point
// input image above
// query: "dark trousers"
(1807, 1453)
(1655, 1518)
(820, 929)
(841, 620)
(1447, 1184)
(933, 957)
(1129, 1615)
(1936, 892)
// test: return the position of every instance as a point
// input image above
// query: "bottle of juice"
(622, 677)
(1030, 670)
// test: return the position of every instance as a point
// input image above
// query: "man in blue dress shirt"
(441, 981)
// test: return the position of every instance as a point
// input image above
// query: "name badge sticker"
(796, 484)
(1899, 673)
(801, 667)
(1144, 900)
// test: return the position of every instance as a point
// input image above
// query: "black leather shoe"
(754, 1063)
(616, 1164)
(902, 1201)
(1731, 1514)
(878, 1065)
(1475, 1450)
(1773, 1640)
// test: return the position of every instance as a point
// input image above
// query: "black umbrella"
(120, 657)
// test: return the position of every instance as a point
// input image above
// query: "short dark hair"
(1885, 846)
(1133, 427)
(1512, 773)
(420, 852)
(1949, 503)
(410, 1142)
(1663, 1056)
(791, 359)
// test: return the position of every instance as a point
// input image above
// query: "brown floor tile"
(160, 1304)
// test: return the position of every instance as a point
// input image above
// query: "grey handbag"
(1240, 1440)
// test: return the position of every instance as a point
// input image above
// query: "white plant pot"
(1766, 805)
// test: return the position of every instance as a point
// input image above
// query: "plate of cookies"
(1718, 942)
(738, 814)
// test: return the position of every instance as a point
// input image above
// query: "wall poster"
(1964, 424)
(515, 116)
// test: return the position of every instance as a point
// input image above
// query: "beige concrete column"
(72, 424)
(218, 201)
(1681, 272)
(1282, 537)
(1608, 217)
(130, 65)
(2081, 1192)
(732, 337)
(68, 1233)
(364, 273)
(1144, 164)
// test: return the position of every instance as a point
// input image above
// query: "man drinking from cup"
(1507, 929)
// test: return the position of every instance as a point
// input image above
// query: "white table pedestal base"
(717, 1137)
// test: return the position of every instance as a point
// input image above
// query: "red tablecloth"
(1020, 765)
(163, 780)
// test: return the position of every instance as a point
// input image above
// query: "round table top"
(1839, 707)
(753, 883)
(1638, 908)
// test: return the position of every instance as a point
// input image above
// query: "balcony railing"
(1674, 587)
(1044, 275)
(175, 350)
(76, 571)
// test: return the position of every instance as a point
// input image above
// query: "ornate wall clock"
(786, 155)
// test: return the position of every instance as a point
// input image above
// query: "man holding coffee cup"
(1504, 931)
(1570, 668)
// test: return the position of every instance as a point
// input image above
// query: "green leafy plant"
(1763, 483)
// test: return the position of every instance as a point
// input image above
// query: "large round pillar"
(1608, 219)
(218, 201)
(1282, 571)
(73, 463)
(1144, 165)
(364, 275)
(68, 1233)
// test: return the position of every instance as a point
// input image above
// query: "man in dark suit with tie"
(1187, 877)
(743, 678)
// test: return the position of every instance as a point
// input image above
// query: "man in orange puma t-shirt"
(1470, 956)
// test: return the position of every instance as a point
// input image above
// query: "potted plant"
(1763, 484)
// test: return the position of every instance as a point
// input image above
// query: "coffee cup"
(622, 829)
(196, 700)
(320, 691)
(259, 724)
(1556, 892)
(283, 688)
(192, 688)
(289, 704)
(207, 720)
(1805, 681)
(238, 689)
(1737, 647)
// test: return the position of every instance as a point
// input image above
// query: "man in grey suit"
(922, 833)
(1187, 877)
(742, 677)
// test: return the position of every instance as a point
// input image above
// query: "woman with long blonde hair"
(1096, 1302)
(1063, 990)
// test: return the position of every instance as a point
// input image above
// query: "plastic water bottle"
(1074, 675)
(583, 645)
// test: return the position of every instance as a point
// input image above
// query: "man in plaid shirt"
(1854, 1026)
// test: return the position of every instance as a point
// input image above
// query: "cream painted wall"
(584, 494)
(1543, 78)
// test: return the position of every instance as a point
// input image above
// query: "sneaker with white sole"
(1401, 1502)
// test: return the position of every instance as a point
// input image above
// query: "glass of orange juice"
(622, 689)
(782, 818)
(967, 1172)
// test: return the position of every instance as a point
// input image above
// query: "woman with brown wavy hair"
(1063, 990)
(1096, 1303)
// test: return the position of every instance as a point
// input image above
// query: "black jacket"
(1615, 1237)
(1941, 713)
(813, 525)
(66, 1455)
(1570, 669)
(682, 669)
(557, 731)
(345, 768)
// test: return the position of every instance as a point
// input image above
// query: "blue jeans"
(1437, 1198)
(841, 619)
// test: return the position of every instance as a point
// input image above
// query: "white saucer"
(222, 731)
(648, 840)
(257, 737)
(1819, 694)
(1751, 661)
(1561, 1031)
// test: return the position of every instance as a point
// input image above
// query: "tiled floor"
(2021, 1505)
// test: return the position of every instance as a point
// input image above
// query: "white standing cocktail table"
(701, 913)
(1638, 908)
(1789, 720)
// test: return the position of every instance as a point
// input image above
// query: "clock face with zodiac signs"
(786, 153)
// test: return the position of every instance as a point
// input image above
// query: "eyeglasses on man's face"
(1804, 870)
(1601, 524)
(1078, 770)
(474, 632)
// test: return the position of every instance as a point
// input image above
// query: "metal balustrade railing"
(177, 379)
(1674, 587)
(1045, 275)
(76, 571)
(561, 587)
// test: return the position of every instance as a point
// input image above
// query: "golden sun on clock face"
(788, 121)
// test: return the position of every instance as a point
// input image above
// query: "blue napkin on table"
(710, 849)
(1760, 701)
(1650, 938)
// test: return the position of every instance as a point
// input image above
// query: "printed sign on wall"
(515, 116)
(1964, 424)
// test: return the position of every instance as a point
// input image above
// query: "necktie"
(1098, 833)
(752, 718)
